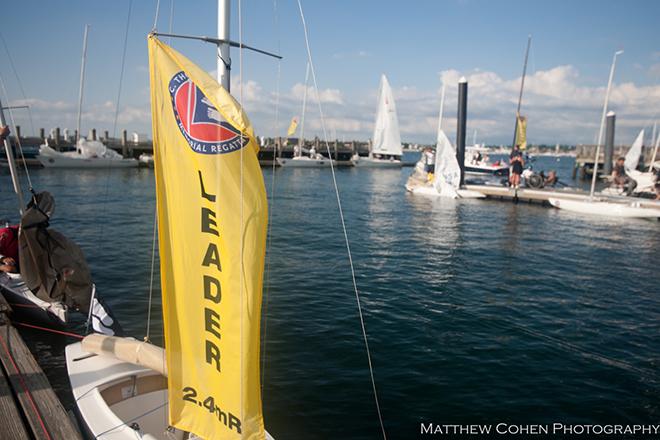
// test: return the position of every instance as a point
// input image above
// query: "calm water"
(476, 311)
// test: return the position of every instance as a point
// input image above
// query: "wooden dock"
(543, 195)
(29, 408)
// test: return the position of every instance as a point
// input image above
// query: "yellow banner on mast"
(292, 127)
(212, 218)
(521, 132)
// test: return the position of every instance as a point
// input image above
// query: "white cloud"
(559, 107)
(326, 96)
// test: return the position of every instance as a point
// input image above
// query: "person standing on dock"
(517, 162)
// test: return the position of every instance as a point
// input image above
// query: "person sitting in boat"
(429, 160)
(9, 249)
(4, 132)
(551, 179)
(476, 158)
(619, 176)
(620, 179)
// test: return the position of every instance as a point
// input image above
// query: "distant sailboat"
(446, 178)
(89, 153)
(594, 206)
(386, 150)
(645, 180)
(299, 160)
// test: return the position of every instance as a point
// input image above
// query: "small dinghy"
(386, 150)
(608, 209)
(445, 180)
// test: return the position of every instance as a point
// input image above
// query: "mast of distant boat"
(82, 82)
(656, 140)
(301, 143)
(522, 86)
(442, 106)
(602, 124)
(12, 164)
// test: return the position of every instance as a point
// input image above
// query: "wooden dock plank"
(35, 395)
(13, 427)
(45, 415)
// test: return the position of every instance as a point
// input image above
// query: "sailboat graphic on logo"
(201, 123)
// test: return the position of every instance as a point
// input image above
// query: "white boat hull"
(304, 162)
(118, 400)
(429, 190)
(371, 162)
(609, 209)
(70, 162)
(24, 302)
(51, 158)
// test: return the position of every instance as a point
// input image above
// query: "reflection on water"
(476, 311)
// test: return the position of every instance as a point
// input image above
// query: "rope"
(18, 80)
(21, 380)
(51, 330)
(271, 203)
(343, 223)
(156, 16)
(151, 277)
(123, 63)
(240, 101)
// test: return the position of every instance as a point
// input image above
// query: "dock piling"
(461, 125)
(609, 143)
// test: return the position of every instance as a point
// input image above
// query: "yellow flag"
(212, 215)
(521, 132)
(292, 127)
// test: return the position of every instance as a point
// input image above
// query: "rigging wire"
(271, 201)
(18, 139)
(341, 216)
(18, 80)
(156, 15)
(169, 40)
(121, 71)
(151, 274)
(240, 103)
(108, 170)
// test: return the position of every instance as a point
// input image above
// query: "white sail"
(632, 158)
(447, 171)
(387, 138)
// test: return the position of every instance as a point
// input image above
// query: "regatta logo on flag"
(200, 122)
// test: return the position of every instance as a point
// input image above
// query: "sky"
(417, 44)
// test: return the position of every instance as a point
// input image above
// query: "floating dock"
(29, 408)
(543, 195)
